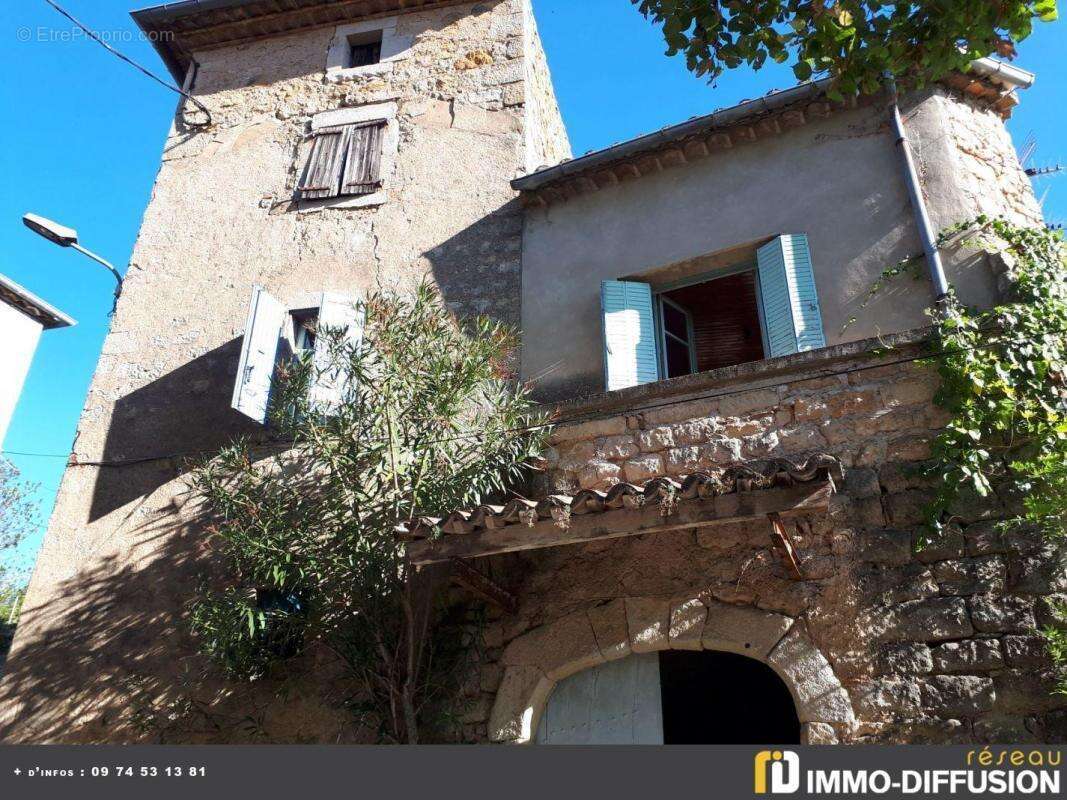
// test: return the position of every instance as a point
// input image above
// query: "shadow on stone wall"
(109, 657)
(169, 422)
(479, 270)
(70, 672)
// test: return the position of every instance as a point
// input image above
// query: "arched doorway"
(672, 697)
(711, 697)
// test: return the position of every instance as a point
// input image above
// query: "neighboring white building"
(22, 318)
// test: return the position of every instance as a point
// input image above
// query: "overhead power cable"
(161, 81)
(688, 398)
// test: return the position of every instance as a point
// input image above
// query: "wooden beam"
(605, 178)
(719, 141)
(232, 32)
(672, 157)
(739, 507)
(695, 148)
(487, 589)
(781, 541)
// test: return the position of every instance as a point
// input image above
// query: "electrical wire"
(167, 84)
(688, 398)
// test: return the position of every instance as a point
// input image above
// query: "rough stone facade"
(879, 642)
(103, 623)
(984, 156)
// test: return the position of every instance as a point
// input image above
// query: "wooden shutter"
(790, 302)
(340, 313)
(363, 159)
(614, 703)
(322, 175)
(630, 356)
(259, 349)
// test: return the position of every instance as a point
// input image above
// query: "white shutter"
(790, 302)
(336, 312)
(630, 356)
(255, 369)
(614, 703)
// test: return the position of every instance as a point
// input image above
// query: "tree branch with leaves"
(419, 417)
(857, 42)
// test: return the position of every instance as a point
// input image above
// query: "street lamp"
(68, 237)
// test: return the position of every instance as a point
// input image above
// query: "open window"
(746, 313)
(275, 334)
(364, 49)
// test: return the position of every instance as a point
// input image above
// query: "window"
(676, 339)
(345, 161)
(364, 49)
(710, 324)
(274, 333)
(305, 323)
(745, 314)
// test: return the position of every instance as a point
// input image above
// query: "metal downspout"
(918, 202)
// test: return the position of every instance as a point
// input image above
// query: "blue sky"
(84, 133)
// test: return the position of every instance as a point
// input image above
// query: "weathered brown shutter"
(363, 161)
(322, 173)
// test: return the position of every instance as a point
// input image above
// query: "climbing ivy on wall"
(1004, 381)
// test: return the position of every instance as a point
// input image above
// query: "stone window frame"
(395, 47)
(370, 112)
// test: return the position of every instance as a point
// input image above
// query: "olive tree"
(418, 417)
(855, 41)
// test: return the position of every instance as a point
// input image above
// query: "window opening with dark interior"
(364, 49)
(710, 324)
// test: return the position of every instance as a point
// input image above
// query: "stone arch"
(537, 660)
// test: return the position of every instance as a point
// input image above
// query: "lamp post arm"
(99, 260)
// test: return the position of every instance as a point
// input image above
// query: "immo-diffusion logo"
(783, 767)
(1013, 771)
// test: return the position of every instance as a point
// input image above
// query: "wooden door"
(614, 703)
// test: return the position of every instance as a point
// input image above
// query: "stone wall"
(992, 179)
(934, 645)
(103, 652)
(547, 142)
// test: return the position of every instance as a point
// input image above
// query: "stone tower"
(438, 104)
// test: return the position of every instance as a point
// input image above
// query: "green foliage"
(18, 516)
(1004, 382)
(910, 266)
(427, 420)
(1003, 374)
(1056, 643)
(18, 512)
(11, 596)
(855, 41)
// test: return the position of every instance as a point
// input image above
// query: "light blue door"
(614, 703)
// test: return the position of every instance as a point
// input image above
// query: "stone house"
(727, 524)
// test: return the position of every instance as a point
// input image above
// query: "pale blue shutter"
(259, 349)
(337, 313)
(790, 303)
(614, 703)
(630, 356)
